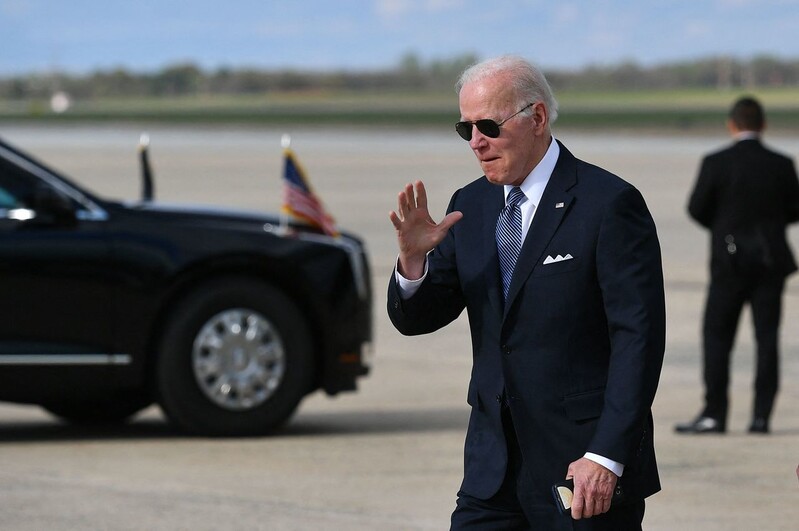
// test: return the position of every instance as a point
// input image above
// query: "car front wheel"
(236, 359)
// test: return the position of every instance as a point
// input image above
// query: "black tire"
(234, 390)
(108, 409)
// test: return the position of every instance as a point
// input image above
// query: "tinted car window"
(16, 188)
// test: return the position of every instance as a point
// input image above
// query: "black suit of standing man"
(565, 366)
(746, 195)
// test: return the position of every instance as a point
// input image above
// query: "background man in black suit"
(568, 343)
(746, 195)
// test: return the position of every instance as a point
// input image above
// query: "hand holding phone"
(564, 493)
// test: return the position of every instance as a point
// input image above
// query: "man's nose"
(478, 138)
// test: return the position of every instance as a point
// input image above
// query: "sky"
(82, 36)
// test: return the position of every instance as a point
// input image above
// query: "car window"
(16, 186)
(7, 200)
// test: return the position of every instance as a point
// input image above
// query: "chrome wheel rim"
(239, 359)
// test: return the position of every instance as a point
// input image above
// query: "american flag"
(299, 199)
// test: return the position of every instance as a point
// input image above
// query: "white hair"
(528, 82)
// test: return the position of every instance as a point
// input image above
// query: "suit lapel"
(491, 209)
(554, 205)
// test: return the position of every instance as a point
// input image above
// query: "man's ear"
(540, 118)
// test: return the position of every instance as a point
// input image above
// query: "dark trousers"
(725, 300)
(513, 507)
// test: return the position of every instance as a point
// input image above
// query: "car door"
(54, 280)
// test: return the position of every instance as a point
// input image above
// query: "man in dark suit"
(567, 343)
(746, 195)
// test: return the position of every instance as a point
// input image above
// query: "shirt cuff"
(408, 287)
(613, 466)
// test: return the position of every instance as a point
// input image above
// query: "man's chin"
(492, 175)
(495, 173)
(499, 180)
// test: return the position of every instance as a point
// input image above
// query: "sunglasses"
(489, 128)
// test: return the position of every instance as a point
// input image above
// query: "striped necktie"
(509, 236)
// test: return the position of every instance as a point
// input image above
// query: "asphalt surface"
(388, 457)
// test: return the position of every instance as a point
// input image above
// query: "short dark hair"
(747, 114)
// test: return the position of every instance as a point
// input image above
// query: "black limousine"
(226, 319)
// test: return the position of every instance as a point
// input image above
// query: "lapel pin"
(558, 205)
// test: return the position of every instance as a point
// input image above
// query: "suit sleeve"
(702, 202)
(630, 276)
(791, 196)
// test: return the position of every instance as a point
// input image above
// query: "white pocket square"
(559, 258)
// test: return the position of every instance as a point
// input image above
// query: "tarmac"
(388, 457)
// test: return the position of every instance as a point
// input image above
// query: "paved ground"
(389, 456)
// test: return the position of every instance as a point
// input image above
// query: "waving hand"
(417, 233)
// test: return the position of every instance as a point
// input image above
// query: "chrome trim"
(354, 251)
(65, 359)
(18, 214)
(239, 359)
(92, 212)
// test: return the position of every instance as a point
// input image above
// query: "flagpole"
(285, 143)
(148, 190)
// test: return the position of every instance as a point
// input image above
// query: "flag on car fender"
(299, 200)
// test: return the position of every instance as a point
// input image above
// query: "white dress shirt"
(746, 135)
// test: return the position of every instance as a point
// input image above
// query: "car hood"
(213, 216)
(204, 212)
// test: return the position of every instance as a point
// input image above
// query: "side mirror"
(52, 208)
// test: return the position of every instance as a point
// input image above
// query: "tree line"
(410, 74)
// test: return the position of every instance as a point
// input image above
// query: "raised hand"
(417, 233)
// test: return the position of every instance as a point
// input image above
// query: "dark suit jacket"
(577, 348)
(747, 195)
